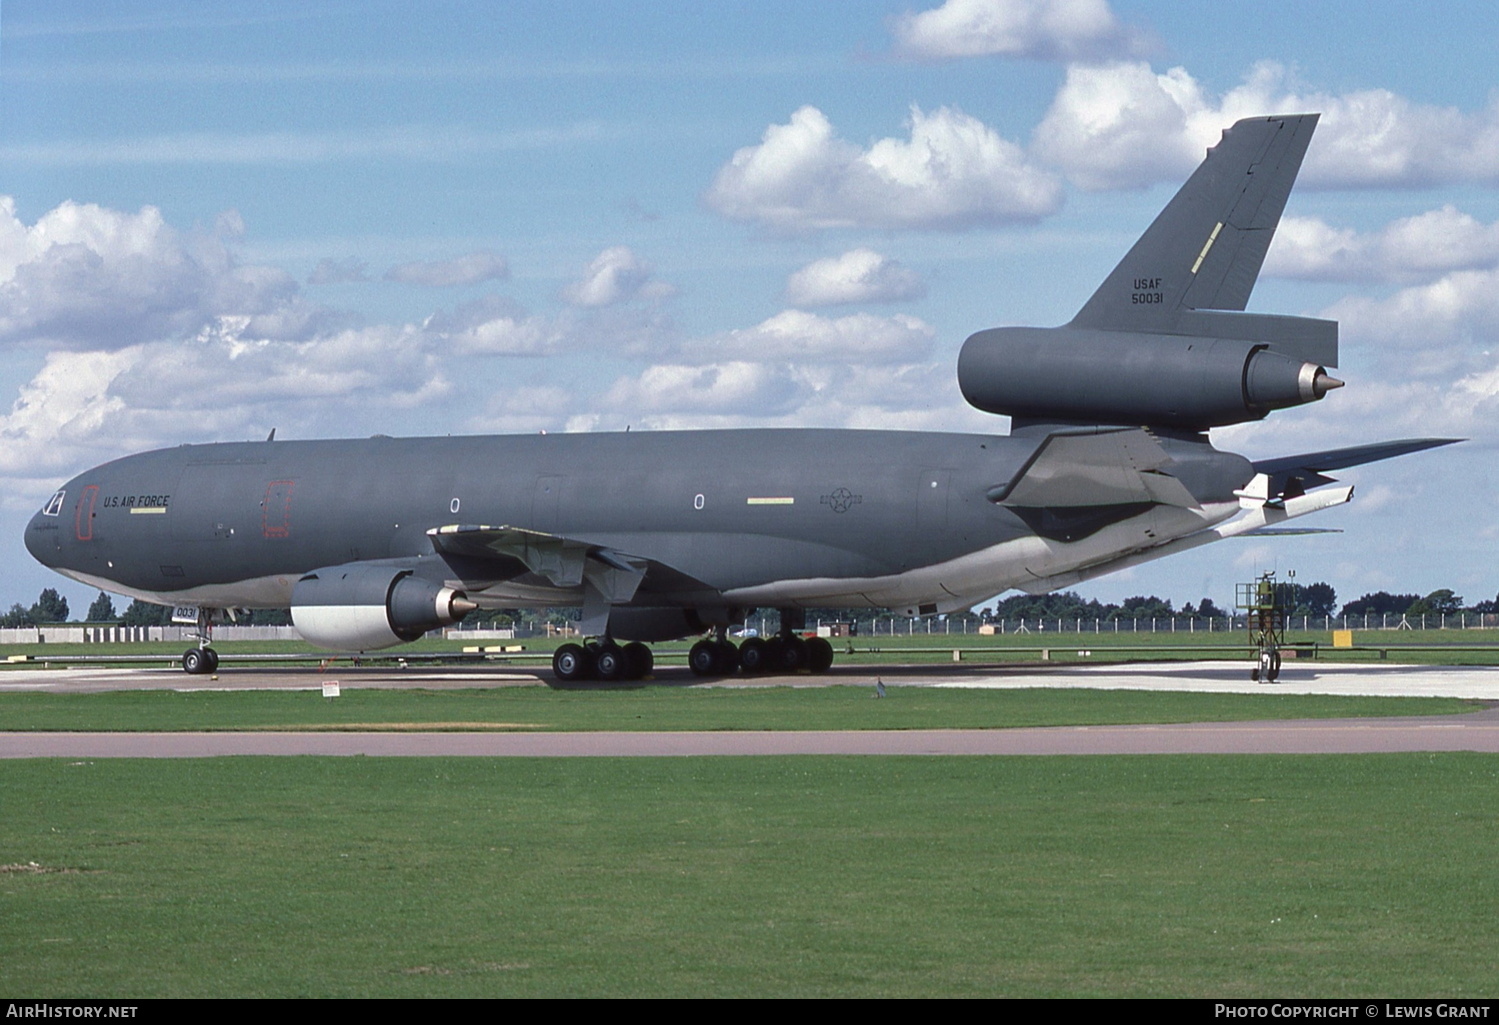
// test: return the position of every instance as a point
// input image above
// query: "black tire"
(819, 655)
(213, 660)
(609, 663)
(754, 656)
(1274, 666)
(193, 661)
(728, 657)
(640, 662)
(704, 659)
(570, 663)
(793, 655)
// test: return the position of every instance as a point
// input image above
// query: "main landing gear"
(603, 660)
(202, 659)
(787, 652)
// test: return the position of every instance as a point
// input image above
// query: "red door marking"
(275, 514)
(83, 519)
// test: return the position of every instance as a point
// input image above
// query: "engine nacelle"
(365, 606)
(1116, 377)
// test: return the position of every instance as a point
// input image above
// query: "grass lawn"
(1327, 876)
(674, 708)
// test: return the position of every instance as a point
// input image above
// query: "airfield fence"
(873, 626)
(903, 626)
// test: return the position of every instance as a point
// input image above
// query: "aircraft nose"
(44, 536)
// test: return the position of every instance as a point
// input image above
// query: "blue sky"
(339, 219)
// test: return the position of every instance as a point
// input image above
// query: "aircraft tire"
(728, 657)
(213, 660)
(570, 663)
(819, 655)
(704, 659)
(1274, 666)
(793, 657)
(640, 662)
(609, 663)
(193, 662)
(754, 658)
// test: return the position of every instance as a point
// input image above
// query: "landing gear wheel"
(609, 662)
(819, 655)
(793, 655)
(570, 663)
(705, 659)
(194, 661)
(213, 660)
(728, 657)
(1274, 666)
(639, 661)
(754, 656)
(1267, 669)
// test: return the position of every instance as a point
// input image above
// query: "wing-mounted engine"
(366, 606)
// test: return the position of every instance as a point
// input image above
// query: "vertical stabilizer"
(1205, 249)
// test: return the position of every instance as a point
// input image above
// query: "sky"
(340, 219)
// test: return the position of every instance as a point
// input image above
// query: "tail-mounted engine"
(1080, 375)
(362, 606)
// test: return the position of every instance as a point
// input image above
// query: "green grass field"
(1144, 876)
(674, 708)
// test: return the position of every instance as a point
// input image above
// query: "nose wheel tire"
(196, 661)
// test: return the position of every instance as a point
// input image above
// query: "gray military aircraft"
(662, 535)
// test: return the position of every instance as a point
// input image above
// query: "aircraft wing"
(1093, 469)
(564, 562)
(1307, 470)
(1289, 476)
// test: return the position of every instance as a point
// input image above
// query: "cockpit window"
(54, 504)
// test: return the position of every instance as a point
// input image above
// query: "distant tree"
(50, 607)
(144, 613)
(1487, 607)
(1436, 603)
(1142, 607)
(266, 617)
(18, 616)
(1380, 603)
(102, 610)
(1207, 610)
(1313, 599)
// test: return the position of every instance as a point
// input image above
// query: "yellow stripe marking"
(1206, 246)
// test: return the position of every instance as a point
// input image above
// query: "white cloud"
(491, 326)
(1045, 29)
(802, 337)
(469, 269)
(86, 277)
(719, 389)
(1410, 249)
(953, 173)
(1122, 125)
(335, 272)
(614, 276)
(857, 276)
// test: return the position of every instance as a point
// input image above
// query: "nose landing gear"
(202, 659)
